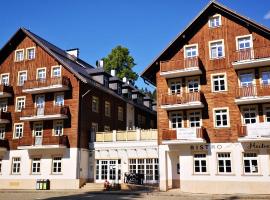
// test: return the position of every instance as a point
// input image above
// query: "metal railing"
(172, 65)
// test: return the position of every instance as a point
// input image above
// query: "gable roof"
(149, 74)
(73, 64)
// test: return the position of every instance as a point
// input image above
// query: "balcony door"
(40, 104)
(38, 132)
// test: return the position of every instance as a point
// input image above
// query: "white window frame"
(267, 69)
(243, 112)
(24, 100)
(120, 113)
(14, 130)
(96, 107)
(200, 159)
(37, 72)
(55, 98)
(189, 46)
(5, 103)
(192, 79)
(225, 82)
(252, 72)
(56, 160)
(265, 106)
(189, 115)
(56, 66)
(16, 164)
(224, 161)
(212, 17)
(36, 164)
(223, 49)
(15, 57)
(19, 73)
(228, 117)
(250, 158)
(180, 113)
(2, 131)
(58, 123)
(107, 109)
(5, 74)
(27, 53)
(243, 36)
(174, 81)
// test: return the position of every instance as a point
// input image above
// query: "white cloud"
(267, 15)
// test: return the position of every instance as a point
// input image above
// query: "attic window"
(215, 21)
(19, 55)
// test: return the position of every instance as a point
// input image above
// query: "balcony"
(4, 145)
(5, 117)
(180, 68)
(254, 132)
(5, 91)
(47, 113)
(56, 84)
(183, 135)
(181, 101)
(44, 142)
(252, 94)
(252, 57)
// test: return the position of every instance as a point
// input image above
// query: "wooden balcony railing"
(252, 53)
(4, 143)
(44, 140)
(54, 110)
(46, 82)
(4, 116)
(170, 99)
(252, 90)
(6, 88)
(171, 134)
(242, 130)
(172, 65)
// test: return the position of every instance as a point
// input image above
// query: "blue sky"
(96, 26)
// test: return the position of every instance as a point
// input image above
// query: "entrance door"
(109, 170)
(40, 104)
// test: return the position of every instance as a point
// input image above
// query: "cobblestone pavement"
(83, 195)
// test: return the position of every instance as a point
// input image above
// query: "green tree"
(120, 60)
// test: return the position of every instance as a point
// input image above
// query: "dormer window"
(215, 21)
(106, 82)
(19, 54)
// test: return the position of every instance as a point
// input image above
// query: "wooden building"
(213, 95)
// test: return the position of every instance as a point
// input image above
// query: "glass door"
(38, 130)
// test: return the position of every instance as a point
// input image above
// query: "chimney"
(113, 72)
(73, 52)
(124, 79)
(100, 63)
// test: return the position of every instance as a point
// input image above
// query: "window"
(221, 118)
(194, 119)
(200, 163)
(56, 71)
(246, 79)
(36, 165)
(176, 119)
(191, 51)
(216, 49)
(249, 115)
(224, 163)
(267, 113)
(120, 113)
(148, 167)
(250, 163)
(106, 82)
(107, 128)
(20, 103)
(107, 109)
(22, 77)
(175, 87)
(95, 104)
(244, 42)
(59, 99)
(265, 78)
(2, 132)
(3, 105)
(58, 127)
(119, 89)
(18, 130)
(4, 79)
(57, 165)
(215, 21)
(219, 82)
(16, 165)
(193, 84)
(30, 53)
(19, 55)
(41, 74)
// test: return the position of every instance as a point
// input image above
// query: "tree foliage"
(120, 60)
